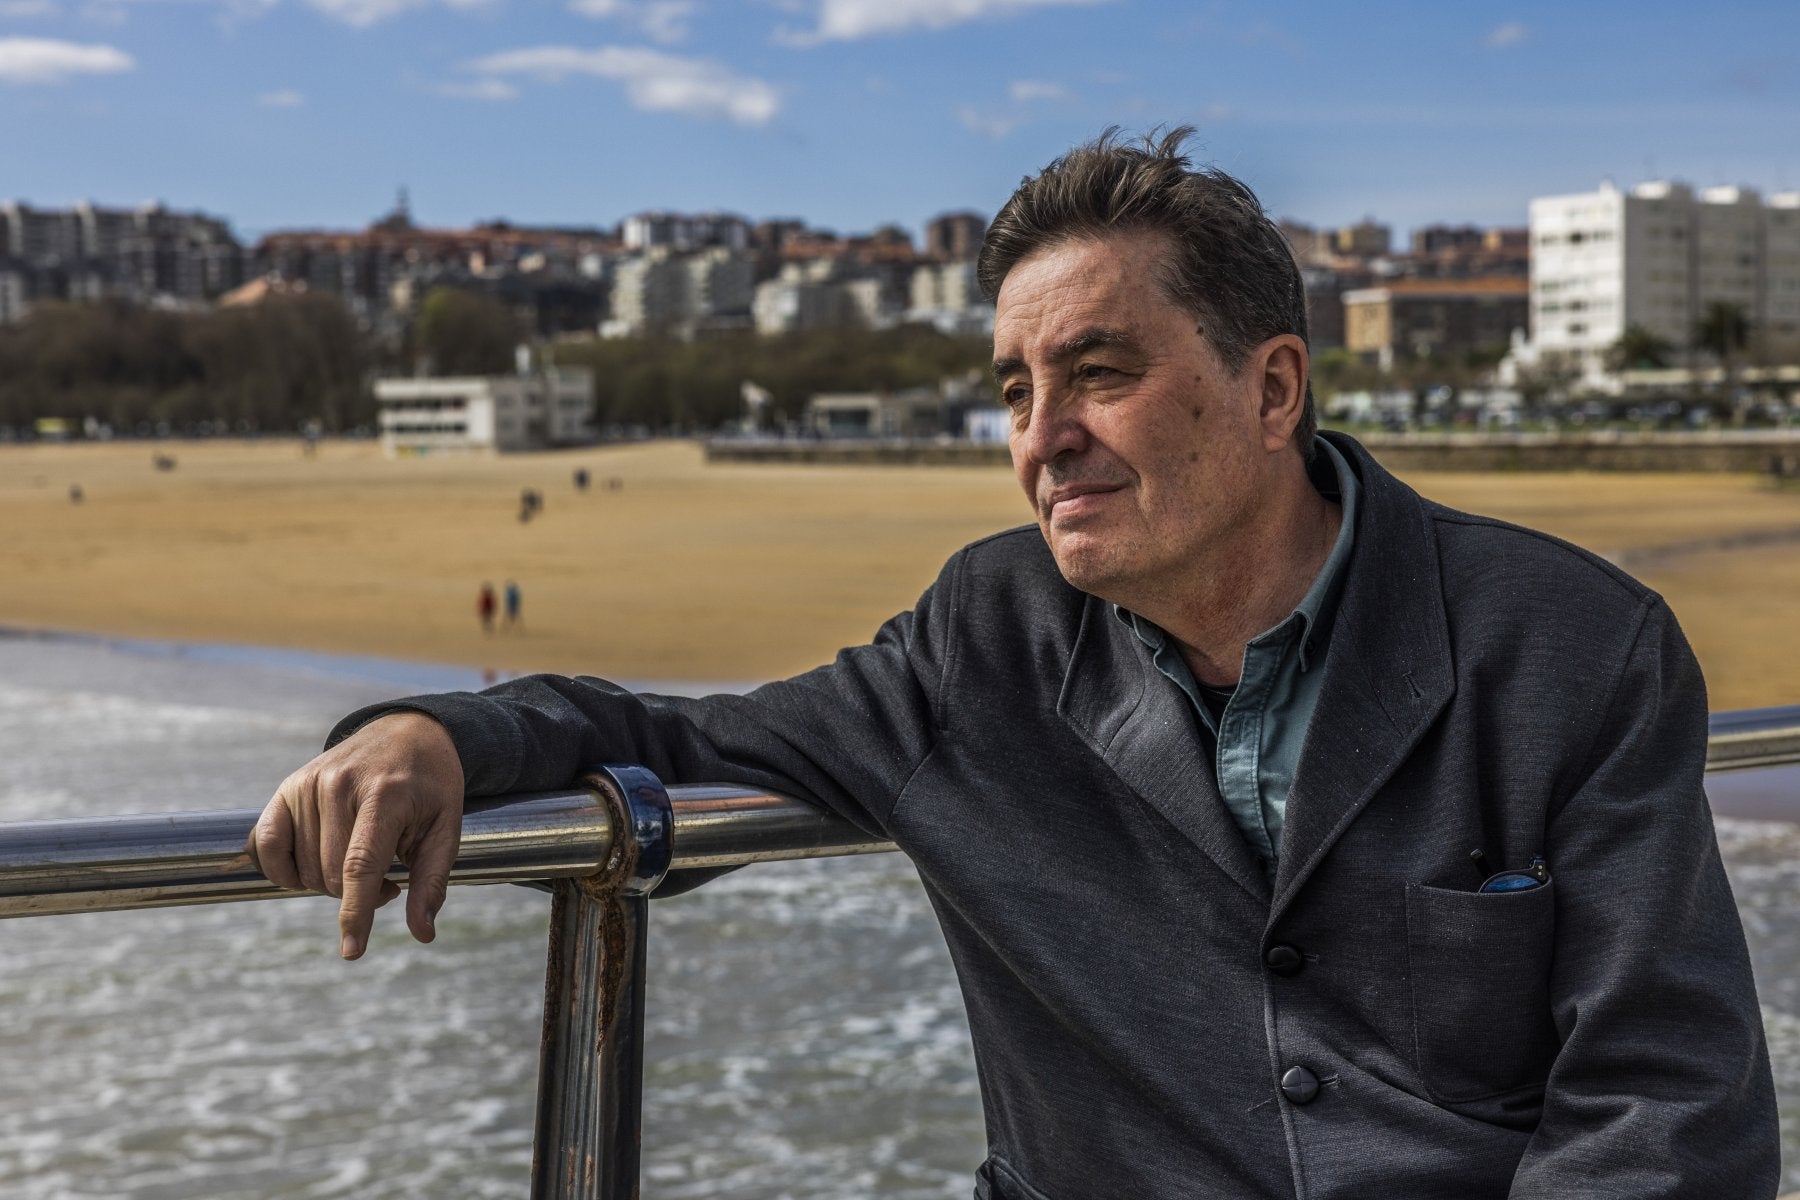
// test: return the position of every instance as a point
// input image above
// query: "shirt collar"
(1331, 474)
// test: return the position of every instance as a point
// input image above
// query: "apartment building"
(823, 293)
(955, 237)
(663, 292)
(680, 232)
(1656, 256)
(145, 254)
(948, 296)
(1412, 318)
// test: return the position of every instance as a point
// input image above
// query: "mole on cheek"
(1196, 411)
(1193, 456)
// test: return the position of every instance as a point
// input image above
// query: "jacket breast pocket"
(1480, 972)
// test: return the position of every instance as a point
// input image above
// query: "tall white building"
(1657, 256)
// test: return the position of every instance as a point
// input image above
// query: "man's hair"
(1232, 268)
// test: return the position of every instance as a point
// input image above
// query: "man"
(1201, 774)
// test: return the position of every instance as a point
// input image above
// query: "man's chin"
(1086, 565)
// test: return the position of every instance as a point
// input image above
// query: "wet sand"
(691, 572)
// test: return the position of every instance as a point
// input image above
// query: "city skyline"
(851, 114)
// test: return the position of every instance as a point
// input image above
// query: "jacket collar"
(1387, 675)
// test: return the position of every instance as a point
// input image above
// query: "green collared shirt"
(1258, 735)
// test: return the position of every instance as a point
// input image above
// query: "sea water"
(805, 1035)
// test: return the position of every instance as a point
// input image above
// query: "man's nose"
(1054, 428)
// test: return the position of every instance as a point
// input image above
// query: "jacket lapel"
(1387, 673)
(1141, 725)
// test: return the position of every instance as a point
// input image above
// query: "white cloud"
(42, 60)
(654, 81)
(660, 20)
(852, 20)
(480, 89)
(361, 14)
(1503, 37)
(1024, 91)
(990, 125)
(13, 10)
(283, 98)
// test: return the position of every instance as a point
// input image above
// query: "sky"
(850, 114)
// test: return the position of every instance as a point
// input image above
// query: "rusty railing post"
(591, 1063)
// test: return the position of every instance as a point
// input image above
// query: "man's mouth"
(1068, 500)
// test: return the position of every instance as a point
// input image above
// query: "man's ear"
(1281, 364)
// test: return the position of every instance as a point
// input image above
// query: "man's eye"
(1093, 371)
(1018, 395)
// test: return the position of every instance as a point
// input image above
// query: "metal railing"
(603, 846)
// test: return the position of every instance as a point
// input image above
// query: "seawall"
(1762, 451)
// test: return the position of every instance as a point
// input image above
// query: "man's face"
(1141, 453)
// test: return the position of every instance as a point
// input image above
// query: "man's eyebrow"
(1070, 347)
(1088, 339)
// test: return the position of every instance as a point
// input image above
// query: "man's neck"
(1250, 586)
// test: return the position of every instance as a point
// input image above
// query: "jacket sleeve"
(846, 736)
(1662, 1087)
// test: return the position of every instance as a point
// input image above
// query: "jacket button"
(1299, 1085)
(1284, 959)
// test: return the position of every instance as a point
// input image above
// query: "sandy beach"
(684, 571)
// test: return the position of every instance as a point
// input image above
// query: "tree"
(1548, 380)
(466, 333)
(1639, 348)
(1723, 332)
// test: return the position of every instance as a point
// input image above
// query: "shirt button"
(1299, 1085)
(1284, 959)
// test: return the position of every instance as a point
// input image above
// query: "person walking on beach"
(484, 607)
(1292, 835)
(512, 606)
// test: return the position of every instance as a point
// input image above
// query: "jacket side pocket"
(1480, 974)
(996, 1180)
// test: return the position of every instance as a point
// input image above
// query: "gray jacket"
(1136, 989)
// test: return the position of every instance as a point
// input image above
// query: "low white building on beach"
(549, 408)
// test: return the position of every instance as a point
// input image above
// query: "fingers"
(336, 824)
(272, 842)
(365, 864)
(428, 869)
(337, 816)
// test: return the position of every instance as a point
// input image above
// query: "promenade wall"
(1761, 451)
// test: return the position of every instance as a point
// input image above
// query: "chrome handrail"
(1753, 737)
(99, 864)
(591, 840)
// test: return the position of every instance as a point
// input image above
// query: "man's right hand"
(394, 788)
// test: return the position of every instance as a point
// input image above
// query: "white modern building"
(1656, 257)
(553, 407)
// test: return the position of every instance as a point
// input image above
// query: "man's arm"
(846, 736)
(1662, 1087)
